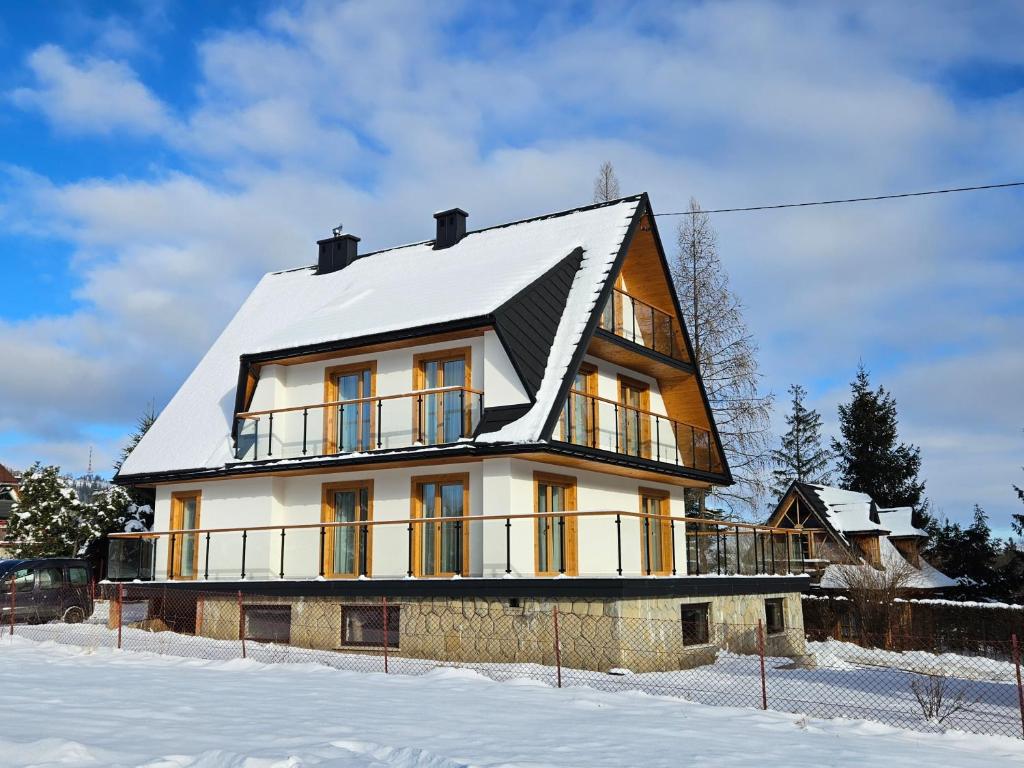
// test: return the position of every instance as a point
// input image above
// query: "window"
(774, 616)
(634, 418)
(555, 536)
(268, 623)
(364, 625)
(578, 422)
(440, 545)
(50, 578)
(78, 576)
(349, 426)
(695, 623)
(183, 553)
(442, 417)
(655, 534)
(24, 580)
(348, 548)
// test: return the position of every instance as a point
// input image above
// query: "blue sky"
(156, 159)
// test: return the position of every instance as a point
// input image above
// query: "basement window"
(695, 623)
(268, 623)
(774, 616)
(364, 625)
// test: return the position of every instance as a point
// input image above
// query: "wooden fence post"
(558, 650)
(760, 653)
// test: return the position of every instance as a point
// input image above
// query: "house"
(8, 495)
(843, 528)
(510, 416)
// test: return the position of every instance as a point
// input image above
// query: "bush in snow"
(937, 700)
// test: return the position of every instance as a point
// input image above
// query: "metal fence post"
(1020, 689)
(120, 613)
(760, 653)
(14, 600)
(384, 602)
(241, 622)
(558, 649)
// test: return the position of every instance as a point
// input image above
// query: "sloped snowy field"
(67, 706)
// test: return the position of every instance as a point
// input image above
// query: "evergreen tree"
(46, 520)
(968, 554)
(869, 458)
(606, 185)
(142, 425)
(1017, 520)
(800, 455)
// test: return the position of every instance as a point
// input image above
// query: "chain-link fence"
(590, 642)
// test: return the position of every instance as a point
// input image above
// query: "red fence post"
(1020, 689)
(241, 622)
(385, 606)
(14, 601)
(120, 613)
(558, 650)
(760, 652)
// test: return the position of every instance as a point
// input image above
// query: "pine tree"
(726, 354)
(606, 185)
(800, 455)
(142, 425)
(46, 520)
(969, 554)
(869, 458)
(1017, 520)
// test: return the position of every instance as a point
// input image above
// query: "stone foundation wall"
(640, 634)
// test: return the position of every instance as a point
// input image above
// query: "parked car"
(44, 589)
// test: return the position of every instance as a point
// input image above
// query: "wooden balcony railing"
(709, 547)
(637, 321)
(425, 417)
(599, 422)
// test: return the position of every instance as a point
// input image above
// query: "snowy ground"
(836, 680)
(68, 706)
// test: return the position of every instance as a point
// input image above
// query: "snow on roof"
(899, 522)
(847, 511)
(389, 290)
(926, 576)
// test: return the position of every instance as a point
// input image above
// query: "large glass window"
(634, 421)
(579, 414)
(656, 533)
(443, 417)
(350, 423)
(348, 547)
(555, 534)
(183, 557)
(441, 542)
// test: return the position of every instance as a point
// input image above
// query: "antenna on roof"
(337, 230)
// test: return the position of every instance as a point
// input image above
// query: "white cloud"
(367, 114)
(92, 96)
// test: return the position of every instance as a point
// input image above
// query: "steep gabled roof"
(7, 477)
(490, 277)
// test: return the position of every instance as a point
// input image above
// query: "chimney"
(336, 252)
(451, 227)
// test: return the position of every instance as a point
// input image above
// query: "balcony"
(440, 416)
(614, 543)
(608, 425)
(636, 321)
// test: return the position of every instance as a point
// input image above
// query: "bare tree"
(873, 593)
(726, 356)
(937, 701)
(606, 185)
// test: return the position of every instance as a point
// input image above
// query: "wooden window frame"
(331, 375)
(416, 503)
(174, 551)
(645, 421)
(664, 499)
(326, 516)
(705, 608)
(592, 413)
(568, 482)
(419, 383)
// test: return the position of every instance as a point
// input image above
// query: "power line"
(847, 200)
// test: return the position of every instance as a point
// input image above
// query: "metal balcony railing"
(426, 417)
(598, 422)
(630, 318)
(303, 551)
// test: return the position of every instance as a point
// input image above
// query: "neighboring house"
(844, 528)
(8, 495)
(488, 415)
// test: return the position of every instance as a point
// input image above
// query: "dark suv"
(44, 589)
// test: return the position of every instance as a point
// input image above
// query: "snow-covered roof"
(899, 522)
(847, 511)
(925, 576)
(391, 290)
